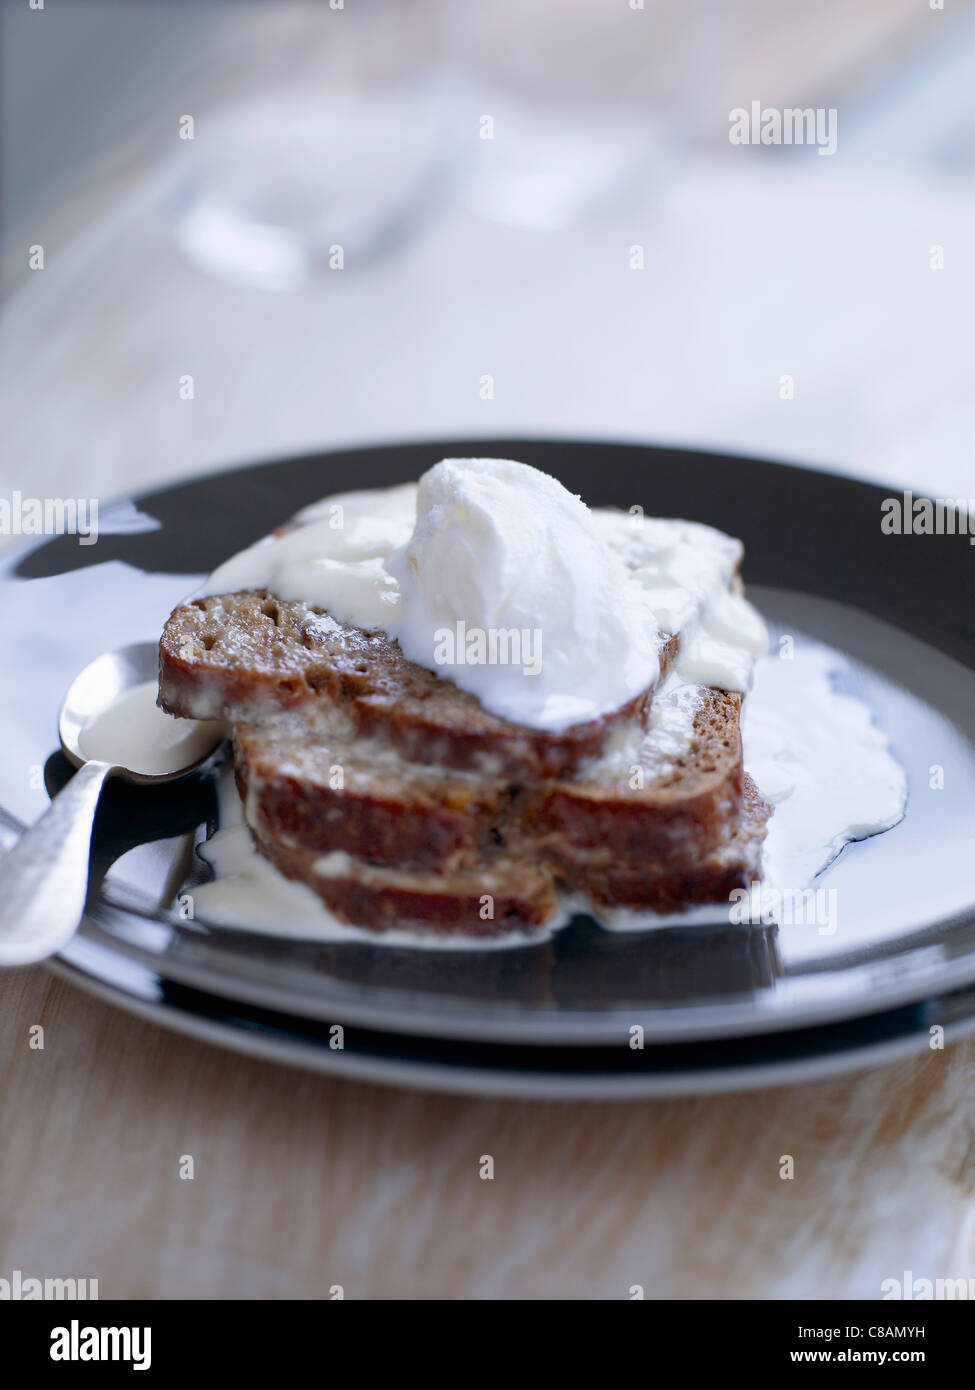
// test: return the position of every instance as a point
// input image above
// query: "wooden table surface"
(303, 1183)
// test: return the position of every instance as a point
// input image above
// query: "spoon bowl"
(97, 689)
(44, 878)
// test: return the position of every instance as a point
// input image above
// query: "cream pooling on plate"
(570, 599)
(135, 734)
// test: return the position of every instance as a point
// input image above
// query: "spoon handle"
(44, 878)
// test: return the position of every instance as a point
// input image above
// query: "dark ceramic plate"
(542, 1072)
(900, 607)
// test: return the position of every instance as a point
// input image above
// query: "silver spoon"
(44, 878)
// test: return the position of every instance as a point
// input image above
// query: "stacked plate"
(585, 1012)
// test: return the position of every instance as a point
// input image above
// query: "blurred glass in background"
(356, 124)
(340, 141)
(578, 110)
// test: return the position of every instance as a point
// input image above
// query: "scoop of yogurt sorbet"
(494, 575)
(508, 589)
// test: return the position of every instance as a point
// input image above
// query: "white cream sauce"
(135, 733)
(820, 760)
(829, 774)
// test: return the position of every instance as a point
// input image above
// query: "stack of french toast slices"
(401, 801)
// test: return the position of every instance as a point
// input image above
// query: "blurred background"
(272, 227)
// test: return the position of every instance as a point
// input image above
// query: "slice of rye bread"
(734, 863)
(506, 893)
(642, 806)
(521, 894)
(242, 657)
